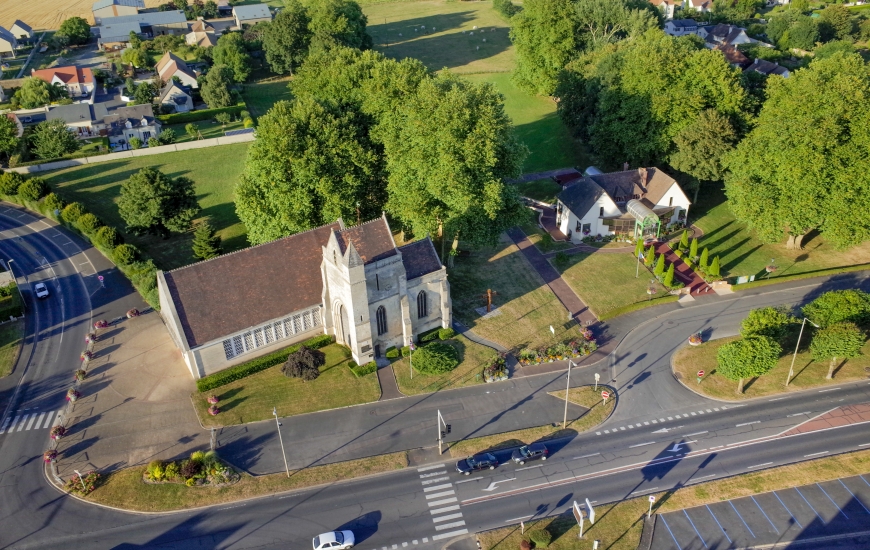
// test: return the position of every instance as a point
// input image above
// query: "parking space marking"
(832, 501)
(787, 510)
(858, 500)
(692, 523)
(810, 505)
(671, 532)
(864, 480)
(741, 518)
(717, 523)
(765, 515)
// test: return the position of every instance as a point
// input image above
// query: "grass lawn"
(260, 96)
(252, 398)
(208, 128)
(125, 488)
(528, 307)
(215, 170)
(472, 360)
(544, 190)
(808, 374)
(10, 340)
(741, 253)
(536, 235)
(596, 413)
(605, 281)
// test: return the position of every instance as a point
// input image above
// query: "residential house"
(153, 23)
(681, 27)
(125, 123)
(667, 7)
(102, 9)
(21, 30)
(733, 56)
(171, 65)
(251, 14)
(78, 117)
(353, 283)
(725, 35)
(78, 81)
(632, 202)
(700, 5)
(8, 43)
(768, 68)
(175, 97)
(116, 36)
(202, 33)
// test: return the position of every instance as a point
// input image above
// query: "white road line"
(716, 409)
(829, 389)
(709, 411)
(464, 481)
(529, 467)
(3, 428)
(700, 412)
(21, 424)
(646, 423)
(702, 477)
(433, 474)
(442, 494)
(446, 518)
(693, 414)
(30, 424)
(622, 428)
(445, 509)
(12, 425)
(748, 423)
(435, 480)
(645, 490)
(607, 431)
(517, 519)
(653, 421)
(661, 419)
(441, 502)
(597, 433)
(427, 468)
(48, 419)
(642, 444)
(39, 421)
(449, 525)
(777, 399)
(759, 465)
(697, 433)
(863, 445)
(585, 456)
(817, 454)
(437, 487)
(798, 414)
(449, 535)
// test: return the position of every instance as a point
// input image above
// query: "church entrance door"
(340, 321)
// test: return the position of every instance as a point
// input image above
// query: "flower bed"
(695, 339)
(497, 371)
(559, 352)
(201, 469)
(82, 486)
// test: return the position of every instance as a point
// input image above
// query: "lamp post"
(771, 267)
(411, 357)
(791, 368)
(20, 295)
(567, 388)
(637, 269)
(281, 439)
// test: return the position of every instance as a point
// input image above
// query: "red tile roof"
(69, 75)
(372, 240)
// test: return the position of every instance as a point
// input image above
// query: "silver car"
(41, 290)
(336, 540)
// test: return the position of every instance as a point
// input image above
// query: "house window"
(671, 201)
(297, 324)
(228, 348)
(620, 199)
(146, 136)
(600, 211)
(422, 306)
(579, 224)
(382, 320)
(377, 282)
(268, 334)
(237, 345)
(587, 228)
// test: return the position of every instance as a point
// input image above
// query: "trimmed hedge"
(392, 353)
(194, 116)
(436, 358)
(446, 334)
(429, 335)
(238, 372)
(363, 370)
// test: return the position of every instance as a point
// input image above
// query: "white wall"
(592, 217)
(680, 202)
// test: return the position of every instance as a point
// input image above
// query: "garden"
(201, 469)
(561, 351)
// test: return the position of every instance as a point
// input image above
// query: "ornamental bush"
(837, 306)
(52, 203)
(155, 470)
(540, 537)
(772, 322)
(304, 364)
(10, 182)
(89, 223)
(33, 189)
(392, 353)
(106, 237)
(446, 334)
(435, 358)
(72, 212)
(125, 254)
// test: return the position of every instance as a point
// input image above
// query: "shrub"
(193, 116)
(436, 358)
(10, 182)
(428, 336)
(153, 142)
(197, 456)
(135, 143)
(540, 537)
(155, 470)
(259, 364)
(166, 137)
(406, 351)
(362, 370)
(506, 8)
(106, 237)
(125, 254)
(33, 189)
(304, 364)
(190, 468)
(172, 470)
(53, 203)
(772, 322)
(72, 212)
(446, 334)
(89, 223)
(839, 305)
(678, 253)
(561, 260)
(392, 353)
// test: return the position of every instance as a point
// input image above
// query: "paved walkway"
(682, 272)
(387, 380)
(541, 175)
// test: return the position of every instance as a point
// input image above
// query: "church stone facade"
(353, 283)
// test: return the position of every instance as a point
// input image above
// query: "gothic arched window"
(382, 320)
(422, 305)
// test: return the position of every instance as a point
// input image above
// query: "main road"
(661, 435)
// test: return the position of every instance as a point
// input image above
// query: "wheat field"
(48, 14)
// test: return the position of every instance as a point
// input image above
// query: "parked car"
(41, 290)
(482, 461)
(336, 540)
(530, 452)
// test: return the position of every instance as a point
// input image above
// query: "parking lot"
(825, 509)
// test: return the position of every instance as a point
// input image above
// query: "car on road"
(41, 290)
(335, 540)
(482, 461)
(530, 452)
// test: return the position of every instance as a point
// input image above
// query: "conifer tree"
(669, 277)
(660, 266)
(205, 243)
(650, 256)
(714, 268)
(638, 249)
(693, 249)
(705, 257)
(684, 240)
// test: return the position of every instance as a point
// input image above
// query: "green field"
(214, 170)
(208, 128)
(544, 190)
(260, 96)
(10, 341)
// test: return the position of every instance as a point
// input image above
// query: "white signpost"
(597, 378)
(591, 511)
(652, 499)
(578, 515)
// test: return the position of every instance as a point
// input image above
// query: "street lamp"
(411, 357)
(791, 368)
(637, 269)
(567, 388)
(281, 439)
(9, 263)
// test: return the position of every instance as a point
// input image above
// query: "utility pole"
(281, 439)
(411, 349)
(442, 433)
(567, 388)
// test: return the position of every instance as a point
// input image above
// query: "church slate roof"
(231, 293)
(419, 258)
(372, 240)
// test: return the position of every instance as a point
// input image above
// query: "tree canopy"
(8, 136)
(206, 244)
(804, 165)
(51, 139)
(152, 202)
(701, 146)
(772, 322)
(74, 30)
(337, 23)
(839, 340)
(837, 306)
(216, 87)
(35, 92)
(746, 358)
(287, 38)
(230, 50)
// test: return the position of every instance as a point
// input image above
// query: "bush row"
(363, 370)
(436, 334)
(254, 366)
(506, 8)
(33, 193)
(205, 114)
(10, 305)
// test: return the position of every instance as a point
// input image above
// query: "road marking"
(450, 534)
(437, 487)
(622, 428)
(765, 515)
(709, 411)
(748, 423)
(21, 425)
(642, 444)
(5, 422)
(596, 454)
(829, 389)
(695, 528)
(653, 421)
(449, 525)
(433, 474)
(435, 480)
(832, 501)
(630, 426)
(39, 420)
(777, 399)
(446, 518)
(716, 409)
(427, 468)
(798, 414)
(670, 418)
(30, 424)
(48, 419)
(702, 477)
(731, 502)
(645, 490)
(810, 505)
(853, 496)
(597, 433)
(444, 501)
(529, 467)
(441, 494)
(445, 509)
(517, 519)
(463, 481)
(671, 532)
(717, 523)
(759, 465)
(817, 454)
(607, 431)
(697, 433)
(494, 484)
(646, 423)
(862, 445)
(693, 414)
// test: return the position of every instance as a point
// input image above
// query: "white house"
(633, 202)
(700, 5)
(125, 123)
(78, 81)
(350, 282)
(667, 7)
(115, 8)
(176, 98)
(680, 27)
(21, 30)
(725, 35)
(8, 43)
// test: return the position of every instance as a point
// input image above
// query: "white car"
(337, 540)
(41, 290)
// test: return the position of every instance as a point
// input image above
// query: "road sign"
(591, 511)
(597, 377)
(700, 373)
(652, 498)
(578, 515)
(100, 277)
(605, 394)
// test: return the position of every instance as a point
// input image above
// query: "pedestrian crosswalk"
(443, 504)
(24, 421)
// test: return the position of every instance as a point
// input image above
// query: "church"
(350, 282)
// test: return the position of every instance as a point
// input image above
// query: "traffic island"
(689, 360)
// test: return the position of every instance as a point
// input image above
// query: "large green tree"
(840, 340)
(837, 306)
(701, 146)
(772, 322)
(52, 139)
(216, 88)
(230, 50)
(152, 202)
(36, 93)
(747, 358)
(287, 38)
(8, 136)
(338, 23)
(804, 165)
(74, 30)
(836, 23)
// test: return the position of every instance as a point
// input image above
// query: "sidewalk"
(682, 272)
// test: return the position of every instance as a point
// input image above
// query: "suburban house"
(113, 8)
(733, 56)
(637, 203)
(681, 27)
(8, 44)
(21, 30)
(78, 117)
(725, 35)
(175, 97)
(700, 5)
(116, 36)
(171, 65)
(251, 14)
(78, 81)
(125, 123)
(350, 282)
(667, 7)
(768, 68)
(201, 33)
(152, 23)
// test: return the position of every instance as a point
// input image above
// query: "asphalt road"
(661, 435)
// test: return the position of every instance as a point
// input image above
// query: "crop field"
(49, 14)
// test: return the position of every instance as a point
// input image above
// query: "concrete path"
(387, 380)
(682, 272)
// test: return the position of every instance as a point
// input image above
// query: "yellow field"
(48, 14)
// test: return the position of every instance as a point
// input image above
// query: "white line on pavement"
(436, 487)
(427, 468)
(448, 517)
(517, 519)
(817, 454)
(798, 414)
(585, 456)
(645, 490)
(449, 525)
(434, 480)
(445, 509)
(433, 474)
(450, 534)
(829, 389)
(39, 421)
(30, 424)
(442, 494)
(759, 465)
(777, 399)
(21, 425)
(642, 444)
(463, 481)
(440, 502)
(702, 477)
(697, 433)
(529, 467)
(748, 423)
(48, 419)
(863, 445)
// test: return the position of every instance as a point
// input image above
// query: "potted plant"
(132, 313)
(90, 338)
(57, 432)
(102, 323)
(72, 394)
(695, 339)
(213, 410)
(49, 456)
(80, 374)
(213, 399)
(87, 355)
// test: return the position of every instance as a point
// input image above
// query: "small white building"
(700, 5)
(115, 8)
(21, 30)
(681, 27)
(637, 203)
(667, 7)
(78, 81)
(176, 98)
(251, 14)
(171, 65)
(8, 44)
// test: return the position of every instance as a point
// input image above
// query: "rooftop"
(648, 185)
(68, 75)
(21, 25)
(149, 18)
(71, 114)
(419, 258)
(252, 11)
(372, 240)
(100, 4)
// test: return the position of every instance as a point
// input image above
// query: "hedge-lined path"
(387, 380)
(682, 272)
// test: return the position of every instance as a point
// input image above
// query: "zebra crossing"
(443, 504)
(24, 421)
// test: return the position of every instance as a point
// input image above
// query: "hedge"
(10, 305)
(363, 370)
(392, 353)
(194, 116)
(446, 333)
(428, 336)
(254, 366)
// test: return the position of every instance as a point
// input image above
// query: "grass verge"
(808, 373)
(252, 398)
(125, 488)
(584, 396)
(619, 525)
(472, 360)
(810, 275)
(260, 96)
(10, 340)
(544, 190)
(668, 299)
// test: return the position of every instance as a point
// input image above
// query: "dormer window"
(620, 199)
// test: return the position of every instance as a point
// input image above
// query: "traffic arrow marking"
(676, 448)
(492, 486)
